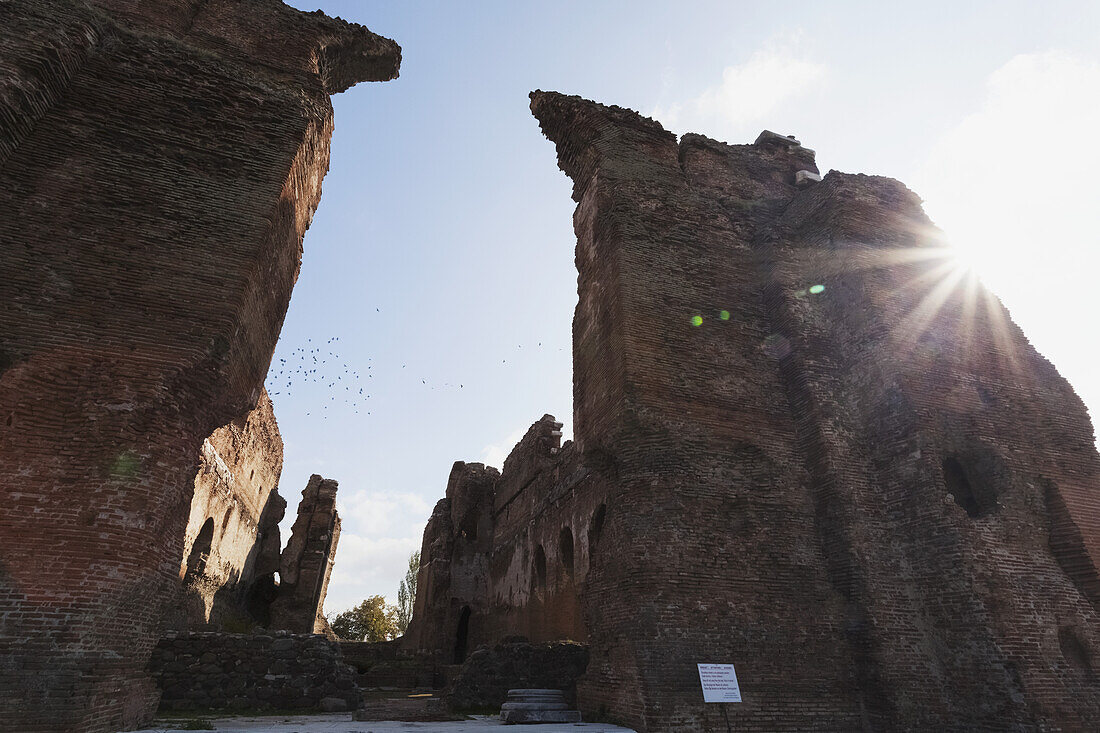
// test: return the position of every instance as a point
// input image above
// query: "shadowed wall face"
(159, 165)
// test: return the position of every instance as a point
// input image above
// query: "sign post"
(719, 683)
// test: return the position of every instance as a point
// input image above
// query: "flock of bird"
(322, 365)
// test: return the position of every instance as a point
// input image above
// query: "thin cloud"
(749, 92)
(384, 513)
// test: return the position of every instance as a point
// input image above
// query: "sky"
(438, 273)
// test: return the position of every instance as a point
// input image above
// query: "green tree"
(406, 594)
(371, 620)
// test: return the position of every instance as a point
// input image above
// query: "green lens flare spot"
(697, 320)
(815, 289)
(723, 315)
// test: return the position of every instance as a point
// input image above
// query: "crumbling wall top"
(270, 34)
(613, 139)
(535, 452)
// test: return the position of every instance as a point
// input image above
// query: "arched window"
(565, 547)
(468, 527)
(226, 519)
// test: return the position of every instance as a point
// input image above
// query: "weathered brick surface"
(872, 496)
(159, 165)
(454, 561)
(505, 553)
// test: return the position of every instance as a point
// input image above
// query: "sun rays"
(946, 306)
(931, 296)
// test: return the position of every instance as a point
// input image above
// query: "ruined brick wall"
(234, 515)
(545, 502)
(306, 562)
(453, 582)
(159, 165)
(507, 553)
(814, 452)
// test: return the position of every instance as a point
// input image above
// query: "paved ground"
(342, 723)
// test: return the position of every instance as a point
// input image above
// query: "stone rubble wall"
(489, 672)
(207, 671)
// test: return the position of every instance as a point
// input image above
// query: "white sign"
(719, 683)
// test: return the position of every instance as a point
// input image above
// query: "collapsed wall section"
(306, 562)
(160, 165)
(204, 671)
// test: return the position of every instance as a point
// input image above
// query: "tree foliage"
(371, 620)
(374, 619)
(406, 594)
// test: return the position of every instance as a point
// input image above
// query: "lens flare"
(697, 320)
(816, 289)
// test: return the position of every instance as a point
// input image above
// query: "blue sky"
(441, 256)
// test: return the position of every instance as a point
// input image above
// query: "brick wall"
(507, 553)
(788, 461)
(159, 165)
